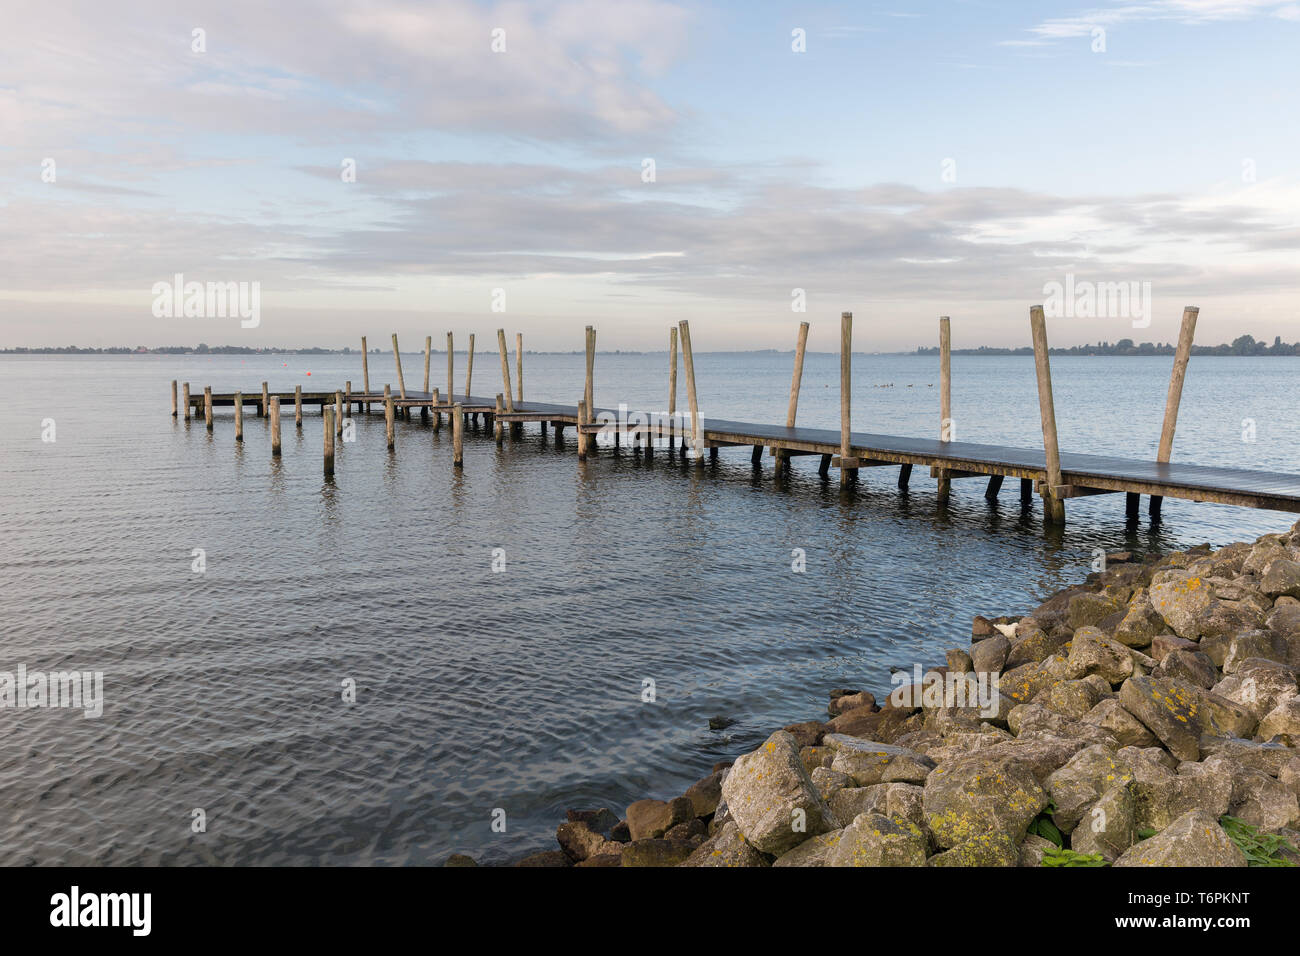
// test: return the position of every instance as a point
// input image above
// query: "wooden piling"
(175, 402)
(505, 370)
(207, 406)
(397, 357)
(782, 459)
(582, 420)
(185, 394)
(329, 442)
(451, 369)
(589, 392)
(275, 426)
(390, 430)
(1053, 507)
(365, 376)
(993, 487)
(239, 416)
(297, 406)
(338, 413)
(1181, 356)
(688, 362)
(945, 397)
(469, 367)
(517, 428)
(846, 389)
(458, 434)
(672, 387)
(347, 396)
(437, 415)
(497, 431)
(904, 476)
(428, 352)
(264, 408)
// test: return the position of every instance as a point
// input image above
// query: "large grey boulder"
(1092, 652)
(1080, 783)
(1109, 826)
(977, 795)
(1194, 839)
(814, 852)
(726, 848)
(772, 799)
(869, 762)
(1281, 576)
(876, 840)
(1167, 708)
(1180, 599)
(1283, 722)
(1127, 730)
(1259, 685)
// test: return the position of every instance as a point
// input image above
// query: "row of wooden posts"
(1053, 490)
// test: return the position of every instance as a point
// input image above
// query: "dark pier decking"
(1051, 474)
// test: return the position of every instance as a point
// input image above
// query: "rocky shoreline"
(1147, 717)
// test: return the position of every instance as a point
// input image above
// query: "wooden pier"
(1055, 476)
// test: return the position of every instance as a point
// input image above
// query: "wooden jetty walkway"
(1047, 472)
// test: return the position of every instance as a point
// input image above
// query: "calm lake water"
(519, 690)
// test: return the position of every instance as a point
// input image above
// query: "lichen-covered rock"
(1194, 839)
(1169, 709)
(876, 840)
(814, 757)
(1258, 685)
(1081, 782)
(1032, 850)
(990, 654)
(851, 802)
(1179, 598)
(1253, 645)
(813, 852)
(578, 842)
(1088, 608)
(869, 762)
(1071, 698)
(1163, 795)
(1281, 576)
(1259, 799)
(726, 848)
(1141, 623)
(988, 849)
(829, 781)
(1126, 729)
(978, 795)
(1283, 722)
(1190, 667)
(704, 794)
(772, 799)
(1109, 826)
(1265, 756)
(1092, 652)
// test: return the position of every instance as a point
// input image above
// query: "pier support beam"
(397, 358)
(994, 486)
(508, 392)
(688, 363)
(175, 403)
(389, 427)
(1053, 507)
(458, 435)
(297, 406)
(428, 353)
(275, 426)
(1132, 506)
(469, 367)
(945, 397)
(904, 476)
(329, 442)
(207, 406)
(239, 416)
(517, 428)
(365, 375)
(1176, 377)
(498, 431)
(848, 469)
(338, 413)
(437, 415)
(265, 408)
(801, 346)
(582, 420)
(185, 394)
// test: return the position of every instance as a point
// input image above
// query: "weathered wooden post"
(505, 370)
(945, 399)
(672, 388)
(175, 401)
(582, 420)
(397, 357)
(207, 406)
(847, 463)
(1053, 507)
(458, 434)
(338, 413)
(688, 361)
(437, 415)
(451, 370)
(801, 346)
(365, 375)
(185, 394)
(275, 426)
(389, 427)
(239, 416)
(347, 396)
(297, 406)
(1184, 352)
(497, 431)
(265, 408)
(329, 442)
(517, 428)
(469, 367)
(428, 352)
(589, 392)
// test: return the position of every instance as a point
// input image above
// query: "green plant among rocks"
(1059, 856)
(1261, 849)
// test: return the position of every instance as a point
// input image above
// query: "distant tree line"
(1241, 345)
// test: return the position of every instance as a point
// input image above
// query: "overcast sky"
(914, 159)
